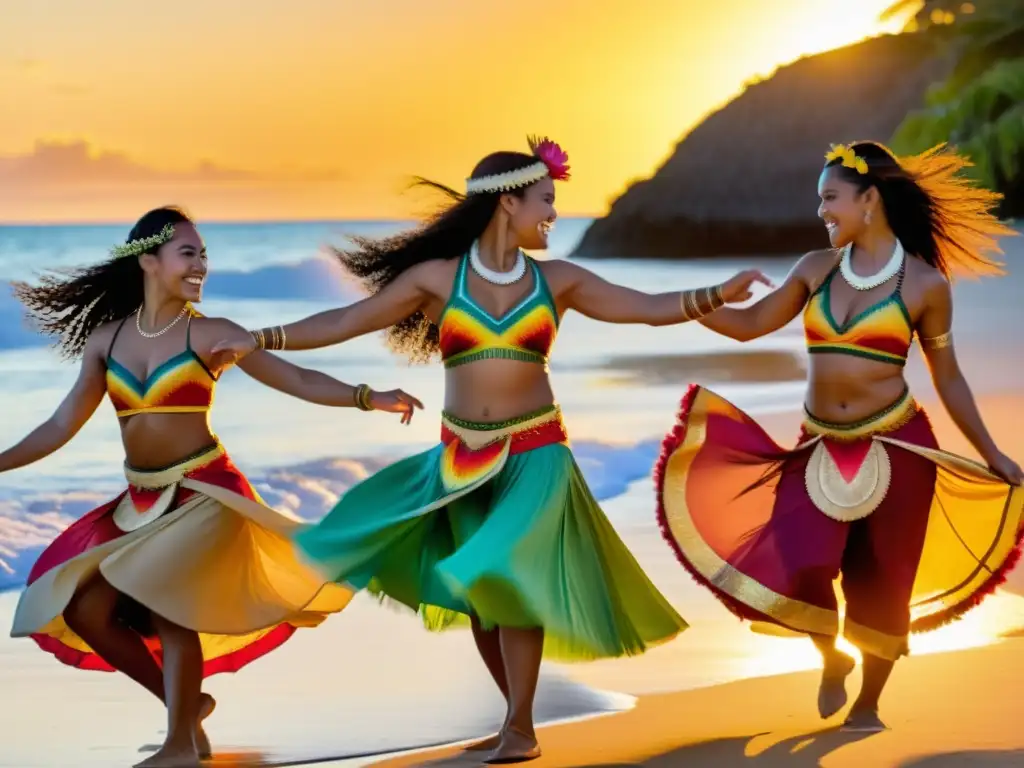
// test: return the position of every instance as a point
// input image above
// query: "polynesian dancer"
(188, 573)
(495, 526)
(919, 535)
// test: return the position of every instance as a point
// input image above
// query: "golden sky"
(325, 108)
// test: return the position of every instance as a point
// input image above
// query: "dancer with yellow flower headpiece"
(495, 526)
(188, 573)
(919, 535)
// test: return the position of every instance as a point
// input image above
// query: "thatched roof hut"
(743, 181)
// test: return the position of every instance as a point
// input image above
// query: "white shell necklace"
(867, 282)
(493, 276)
(162, 331)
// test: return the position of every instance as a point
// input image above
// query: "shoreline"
(728, 724)
(717, 727)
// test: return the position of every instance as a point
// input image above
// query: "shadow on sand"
(805, 750)
(1007, 758)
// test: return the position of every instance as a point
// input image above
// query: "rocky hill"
(744, 180)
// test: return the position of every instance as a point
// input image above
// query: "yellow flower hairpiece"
(848, 156)
(143, 244)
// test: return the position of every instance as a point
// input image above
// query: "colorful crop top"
(883, 331)
(182, 384)
(526, 332)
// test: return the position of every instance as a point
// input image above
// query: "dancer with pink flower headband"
(494, 527)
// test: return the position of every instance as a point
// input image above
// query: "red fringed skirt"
(193, 543)
(918, 535)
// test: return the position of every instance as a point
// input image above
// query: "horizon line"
(71, 222)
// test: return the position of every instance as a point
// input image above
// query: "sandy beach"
(771, 722)
(943, 708)
(371, 681)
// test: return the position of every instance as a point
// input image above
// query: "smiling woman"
(920, 536)
(187, 573)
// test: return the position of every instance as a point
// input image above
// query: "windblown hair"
(448, 234)
(937, 213)
(69, 305)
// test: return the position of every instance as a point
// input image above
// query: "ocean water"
(264, 274)
(370, 679)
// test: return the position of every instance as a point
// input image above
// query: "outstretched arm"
(72, 414)
(403, 297)
(599, 299)
(770, 313)
(321, 389)
(305, 384)
(935, 334)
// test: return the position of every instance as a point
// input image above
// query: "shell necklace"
(867, 282)
(493, 276)
(162, 331)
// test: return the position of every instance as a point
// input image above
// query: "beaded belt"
(531, 430)
(151, 492)
(848, 472)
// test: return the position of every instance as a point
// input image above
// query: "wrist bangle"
(361, 396)
(690, 306)
(275, 335)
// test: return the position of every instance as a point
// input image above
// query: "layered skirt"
(193, 543)
(918, 535)
(496, 522)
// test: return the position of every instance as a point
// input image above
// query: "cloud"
(73, 180)
(76, 162)
(22, 64)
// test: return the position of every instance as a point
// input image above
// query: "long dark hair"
(447, 234)
(70, 304)
(937, 213)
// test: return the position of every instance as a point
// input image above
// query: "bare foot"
(832, 691)
(864, 721)
(484, 745)
(172, 756)
(206, 706)
(515, 747)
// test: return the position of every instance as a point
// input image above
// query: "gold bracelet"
(938, 342)
(692, 310)
(716, 293)
(697, 312)
(683, 307)
(362, 397)
(275, 335)
(710, 300)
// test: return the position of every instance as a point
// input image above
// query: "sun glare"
(834, 24)
(998, 616)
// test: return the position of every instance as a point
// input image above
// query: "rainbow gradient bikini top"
(526, 332)
(883, 331)
(182, 384)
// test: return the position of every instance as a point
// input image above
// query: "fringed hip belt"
(152, 492)
(474, 452)
(849, 472)
(523, 433)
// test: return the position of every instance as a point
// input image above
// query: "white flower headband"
(551, 161)
(143, 244)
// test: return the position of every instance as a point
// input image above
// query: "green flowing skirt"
(507, 532)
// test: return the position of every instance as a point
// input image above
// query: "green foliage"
(979, 109)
